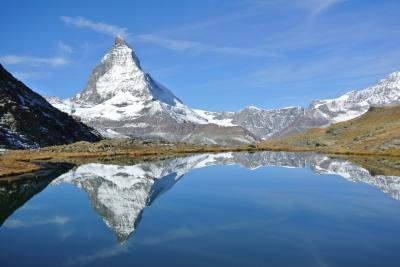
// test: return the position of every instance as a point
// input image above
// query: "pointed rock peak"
(119, 41)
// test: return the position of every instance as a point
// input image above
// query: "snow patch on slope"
(211, 117)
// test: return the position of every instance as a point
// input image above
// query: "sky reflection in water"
(231, 209)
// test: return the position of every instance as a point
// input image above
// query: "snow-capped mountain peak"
(118, 72)
(119, 81)
(119, 41)
(121, 100)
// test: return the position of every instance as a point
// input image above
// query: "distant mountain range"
(27, 120)
(282, 122)
(348, 106)
(121, 100)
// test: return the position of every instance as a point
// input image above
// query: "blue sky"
(213, 54)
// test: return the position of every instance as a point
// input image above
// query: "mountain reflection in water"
(119, 194)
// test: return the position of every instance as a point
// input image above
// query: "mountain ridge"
(121, 100)
(322, 113)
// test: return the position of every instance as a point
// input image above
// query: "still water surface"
(232, 209)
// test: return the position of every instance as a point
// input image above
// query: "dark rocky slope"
(27, 120)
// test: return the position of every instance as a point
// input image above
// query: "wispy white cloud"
(172, 44)
(244, 13)
(64, 48)
(103, 253)
(345, 68)
(33, 61)
(185, 45)
(58, 220)
(30, 67)
(25, 75)
(66, 233)
(196, 231)
(316, 7)
(165, 42)
(313, 7)
(174, 234)
(100, 27)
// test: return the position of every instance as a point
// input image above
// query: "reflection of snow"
(120, 193)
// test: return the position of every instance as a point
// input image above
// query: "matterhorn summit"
(121, 100)
(120, 76)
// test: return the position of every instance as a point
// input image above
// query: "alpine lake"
(229, 209)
